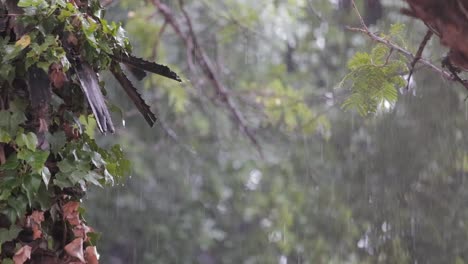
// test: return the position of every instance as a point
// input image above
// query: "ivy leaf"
(44, 197)
(18, 204)
(93, 178)
(89, 122)
(5, 194)
(9, 234)
(11, 164)
(57, 141)
(29, 140)
(10, 121)
(97, 160)
(31, 185)
(76, 176)
(108, 178)
(11, 52)
(93, 237)
(4, 136)
(60, 3)
(62, 181)
(89, 26)
(31, 3)
(7, 72)
(35, 159)
(66, 166)
(45, 173)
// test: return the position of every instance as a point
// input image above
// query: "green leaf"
(97, 160)
(18, 204)
(89, 122)
(89, 27)
(7, 260)
(5, 194)
(8, 184)
(29, 140)
(35, 159)
(4, 136)
(77, 176)
(108, 178)
(358, 60)
(8, 235)
(31, 3)
(7, 72)
(31, 185)
(93, 237)
(11, 213)
(11, 164)
(62, 181)
(65, 166)
(45, 173)
(11, 53)
(57, 141)
(60, 3)
(64, 14)
(44, 197)
(10, 121)
(93, 178)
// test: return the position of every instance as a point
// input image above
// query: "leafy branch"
(375, 76)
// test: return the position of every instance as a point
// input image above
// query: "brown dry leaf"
(76, 2)
(22, 255)
(37, 232)
(76, 22)
(75, 249)
(91, 255)
(43, 126)
(35, 219)
(38, 217)
(56, 75)
(69, 207)
(71, 214)
(79, 231)
(71, 39)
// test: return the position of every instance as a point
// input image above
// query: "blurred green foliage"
(332, 187)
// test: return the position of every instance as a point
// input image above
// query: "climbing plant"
(51, 100)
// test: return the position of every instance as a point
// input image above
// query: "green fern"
(375, 77)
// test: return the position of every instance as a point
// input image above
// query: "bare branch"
(361, 20)
(423, 44)
(196, 54)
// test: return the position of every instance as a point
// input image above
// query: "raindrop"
(254, 180)
(283, 260)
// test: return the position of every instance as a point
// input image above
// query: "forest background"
(292, 177)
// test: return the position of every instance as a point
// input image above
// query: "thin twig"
(199, 54)
(361, 20)
(418, 56)
(154, 52)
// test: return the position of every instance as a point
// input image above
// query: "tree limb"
(196, 54)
